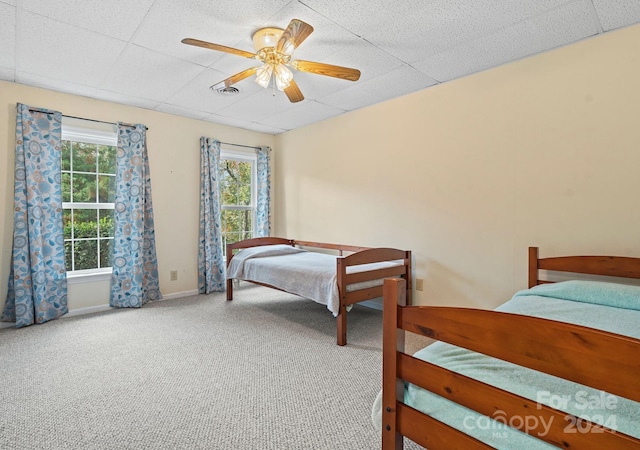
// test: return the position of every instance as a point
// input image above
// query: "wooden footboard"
(595, 358)
(350, 297)
(356, 256)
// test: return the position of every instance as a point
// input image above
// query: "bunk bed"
(334, 275)
(555, 366)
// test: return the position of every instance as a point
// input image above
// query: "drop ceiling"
(129, 51)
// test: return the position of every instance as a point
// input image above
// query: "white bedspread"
(307, 274)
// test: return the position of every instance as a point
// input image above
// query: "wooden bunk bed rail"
(612, 266)
(596, 358)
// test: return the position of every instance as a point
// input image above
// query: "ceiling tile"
(225, 120)
(7, 74)
(115, 18)
(57, 85)
(197, 95)
(375, 15)
(617, 13)
(400, 81)
(147, 74)
(413, 30)
(327, 37)
(130, 52)
(302, 114)
(315, 86)
(69, 53)
(364, 56)
(228, 65)
(253, 126)
(125, 99)
(185, 112)
(257, 106)
(225, 22)
(558, 27)
(8, 35)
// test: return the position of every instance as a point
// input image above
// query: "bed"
(555, 366)
(334, 275)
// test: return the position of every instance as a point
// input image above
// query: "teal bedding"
(607, 306)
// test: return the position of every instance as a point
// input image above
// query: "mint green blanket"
(606, 306)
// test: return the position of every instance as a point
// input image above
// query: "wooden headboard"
(612, 266)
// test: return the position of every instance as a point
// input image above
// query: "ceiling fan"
(274, 47)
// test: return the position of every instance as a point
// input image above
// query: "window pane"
(84, 157)
(84, 188)
(106, 222)
(244, 171)
(230, 238)
(67, 224)
(235, 182)
(244, 194)
(106, 189)
(107, 159)
(66, 155)
(237, 225)
(88, 177)
(66, 187)
(85, 223)
(68, 255)
(86, 254)
(105, 253)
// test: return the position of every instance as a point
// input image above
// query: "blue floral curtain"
(134, 280)
(263, 213)
(211, 265)
(38, 278)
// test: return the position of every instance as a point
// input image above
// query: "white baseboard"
(180, 294)
(100, 308)
(87, 310)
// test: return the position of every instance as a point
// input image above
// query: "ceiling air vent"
(228, 91)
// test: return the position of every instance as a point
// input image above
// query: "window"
(88, 195)
(237, 196)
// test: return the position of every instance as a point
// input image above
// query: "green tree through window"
(237, 197)
(88, 193)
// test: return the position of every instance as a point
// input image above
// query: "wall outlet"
(419, 284)
(174, 275)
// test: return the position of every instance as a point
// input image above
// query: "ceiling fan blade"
(293, 92)
(218, 47)
(327, 69)
(233, 79)
(297, 31)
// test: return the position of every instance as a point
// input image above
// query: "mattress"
(308, 274)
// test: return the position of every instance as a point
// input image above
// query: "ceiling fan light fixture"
(274, 49)
(263, 75)
(283, 77)
(266, 37)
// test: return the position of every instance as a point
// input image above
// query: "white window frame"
(253, 159)
(89, 136)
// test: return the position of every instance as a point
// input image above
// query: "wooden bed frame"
(595, 358)
(357, 255)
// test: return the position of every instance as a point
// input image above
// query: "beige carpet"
(261, 372)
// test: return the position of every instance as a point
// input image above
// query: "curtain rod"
(84, 118)
(240, 145)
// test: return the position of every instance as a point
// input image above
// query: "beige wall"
(544, 151)
(174, 159)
